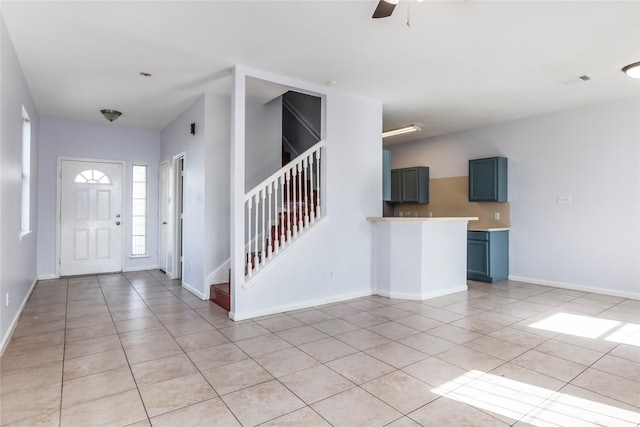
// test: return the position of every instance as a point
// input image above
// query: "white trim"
(421, 296)
(194, 291)
(139, 268)
(123, 191)
(220, 274)
(25, 234)
(576, 287)
(170, 217)
(14, 322)
(177, 194)
(48, 276)
(305, 304)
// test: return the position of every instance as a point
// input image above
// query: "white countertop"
(423, 219)
(476, 228)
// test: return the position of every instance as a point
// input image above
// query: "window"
(92, 176)
(25, 209)
(139, 211)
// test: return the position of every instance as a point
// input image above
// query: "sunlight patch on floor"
(628, 334)
(573, 324)
(535, 405)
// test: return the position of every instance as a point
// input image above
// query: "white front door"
(165, 212)
(91, 217)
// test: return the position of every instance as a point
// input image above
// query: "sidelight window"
(139, 211)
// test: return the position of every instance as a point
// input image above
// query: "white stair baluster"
(288, 218)
(276, 238)
(294, 202)
(281, 216)
(300, 197)
(249, 224)
(312, 214)
(256, 260)
(271, 243)
(305, 176)
(318, 179)
(264, 237)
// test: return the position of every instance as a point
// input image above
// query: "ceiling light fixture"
(111, 115)
(400, 131)
(632, 70)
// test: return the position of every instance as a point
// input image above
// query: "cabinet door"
(477, 258)
(410, 185)
(396, 186)
(488, 180)
(483, 184)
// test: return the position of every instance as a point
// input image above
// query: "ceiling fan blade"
(384, 9)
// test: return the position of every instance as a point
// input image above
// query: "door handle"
(117, 222)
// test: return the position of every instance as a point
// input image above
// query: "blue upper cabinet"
(488, 180)
(410, 185)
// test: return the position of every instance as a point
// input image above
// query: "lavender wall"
(590, 153)
(176, 139)
(17, 255)
(107, 142)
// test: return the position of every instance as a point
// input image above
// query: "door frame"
(178, 223)
(123, 191)
(169, 214)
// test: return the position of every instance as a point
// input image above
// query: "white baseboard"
(140, 268)
(48, 276)
(14, 322)
(194, 291)
(297, 306)
(421, 296)
(576, 287)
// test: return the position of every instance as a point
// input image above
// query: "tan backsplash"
(450, 197)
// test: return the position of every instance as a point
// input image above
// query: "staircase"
(278, 211)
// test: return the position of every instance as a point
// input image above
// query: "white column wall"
(333, 262)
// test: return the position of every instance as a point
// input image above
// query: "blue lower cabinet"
(488, 256)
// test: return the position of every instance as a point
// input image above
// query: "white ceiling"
(461, 64)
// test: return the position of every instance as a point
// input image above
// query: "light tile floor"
(135, 349)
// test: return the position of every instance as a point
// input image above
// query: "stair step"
(220, 294)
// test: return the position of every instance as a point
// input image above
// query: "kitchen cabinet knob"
(117, 222)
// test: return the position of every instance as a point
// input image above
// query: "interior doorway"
(179, 212)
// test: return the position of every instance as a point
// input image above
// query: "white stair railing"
(281, 208)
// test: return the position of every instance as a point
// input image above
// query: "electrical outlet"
(430, 214)
(496, 216)
(563, 200)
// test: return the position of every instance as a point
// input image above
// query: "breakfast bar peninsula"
(419, 258)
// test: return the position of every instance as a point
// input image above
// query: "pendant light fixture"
(111, 115)
(632, 70)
